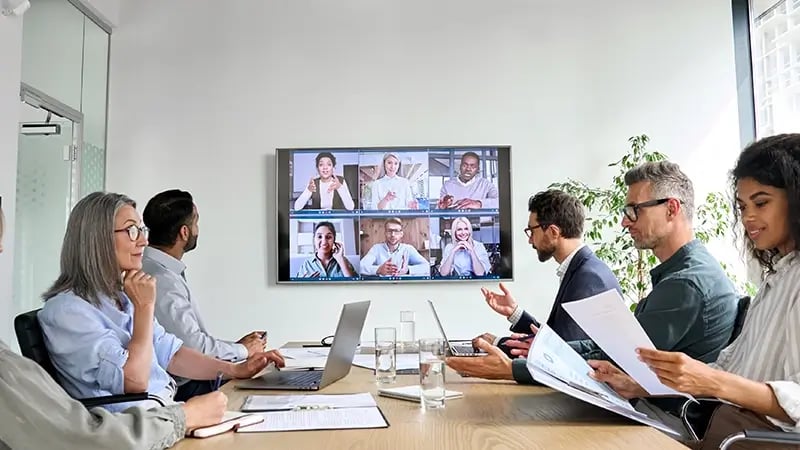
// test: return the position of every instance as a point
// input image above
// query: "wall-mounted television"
(397, 214)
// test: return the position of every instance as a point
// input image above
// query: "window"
(775, 63)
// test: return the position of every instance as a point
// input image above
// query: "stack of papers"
(404, 361)
(314, 412)
(305, 358)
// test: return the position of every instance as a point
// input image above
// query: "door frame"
(38, 99)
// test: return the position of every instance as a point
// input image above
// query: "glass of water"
(406, 337)
(385, 355)
(431, 373)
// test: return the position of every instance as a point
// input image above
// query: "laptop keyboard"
(309, 378)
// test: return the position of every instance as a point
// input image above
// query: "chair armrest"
(123, 398)
(685, 410)
(776, 437)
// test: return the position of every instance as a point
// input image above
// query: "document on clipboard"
(314, 412)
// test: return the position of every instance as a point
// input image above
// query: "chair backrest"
(741, 313)
(31, 341)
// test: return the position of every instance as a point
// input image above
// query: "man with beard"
(172, 219)
(554, 230)
(468, 190)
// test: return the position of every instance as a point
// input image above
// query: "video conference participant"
(391, 190)
(468, 190)
(393, 258)
(173, 220)
(44, 416)
(328, 190)
(329, 256)
(99, 320)
(464, 256)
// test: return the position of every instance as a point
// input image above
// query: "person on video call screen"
(464, 256)
(468, 190)
(393, 258)
(328, 190)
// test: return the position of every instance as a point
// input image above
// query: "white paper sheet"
(610, 324)
(552, 362)
(305, 363)
(404, 361)
(301, 353)
(326, 419)
(288, 402)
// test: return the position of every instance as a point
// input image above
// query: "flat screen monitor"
(397, 214)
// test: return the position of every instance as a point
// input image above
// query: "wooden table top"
(491, 415)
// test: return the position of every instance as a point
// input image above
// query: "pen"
(218, 381)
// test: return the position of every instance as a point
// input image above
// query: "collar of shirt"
(781, 267)
(562, 268)
(172, 264)
(472, 181)
(674, 261)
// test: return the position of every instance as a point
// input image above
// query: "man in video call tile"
(468, 190)
(393, 258)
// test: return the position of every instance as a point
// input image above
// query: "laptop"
(337, 366)
(455, 348)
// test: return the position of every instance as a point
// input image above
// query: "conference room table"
(491, 415)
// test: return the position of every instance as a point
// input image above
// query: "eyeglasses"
(632, 211)
(529, 230)
(394, 231)
(134, 232)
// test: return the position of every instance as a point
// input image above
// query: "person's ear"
(184, 232)
(673, 207)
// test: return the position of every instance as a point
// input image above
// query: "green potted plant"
(611, 244)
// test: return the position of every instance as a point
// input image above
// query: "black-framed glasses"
(529, 230)
(632, 211)
(134, 232)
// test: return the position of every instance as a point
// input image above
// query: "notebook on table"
(231, 421)
(412, 393)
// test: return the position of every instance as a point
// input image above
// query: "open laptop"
(337, 366)
(455, 348)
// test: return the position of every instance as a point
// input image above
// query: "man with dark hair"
(555, 227)
(393, 258)
(468, 190)
(173, 221)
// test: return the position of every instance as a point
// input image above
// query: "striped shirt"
(767, 348)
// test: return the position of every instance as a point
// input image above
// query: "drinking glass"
(385, 355)
(431, 373)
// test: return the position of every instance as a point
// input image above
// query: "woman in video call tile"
(390, 190)
(464, 256)
(328, 260)
(328, 190)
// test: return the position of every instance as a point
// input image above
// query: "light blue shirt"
(178, 312)
(88, 346)
(462, 260)
(314, 264)
(403, 254)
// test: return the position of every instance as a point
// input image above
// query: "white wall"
(564, 83)
(10, 69)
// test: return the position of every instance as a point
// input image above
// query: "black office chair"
(706, 406)
(32, 346)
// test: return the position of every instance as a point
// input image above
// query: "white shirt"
(401, 188)
(767, 348)
(325, 197)
(560, 272)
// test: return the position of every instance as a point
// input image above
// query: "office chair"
(708, 405)
(32, 345)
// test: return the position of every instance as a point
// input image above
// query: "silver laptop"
(337, 366)
(455, 348)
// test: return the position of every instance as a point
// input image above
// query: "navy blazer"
(586, 276)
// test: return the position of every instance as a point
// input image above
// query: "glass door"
(47, 175)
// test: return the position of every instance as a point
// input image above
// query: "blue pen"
(218, 381)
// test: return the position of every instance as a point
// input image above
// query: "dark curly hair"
(555, 207)
(772, 161)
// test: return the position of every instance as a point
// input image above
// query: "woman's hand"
(140, 288)
(204, 410)
(682, 373)
(335, 183)
(608, 373)
(338, 252)
(256, 363)
(312, 187)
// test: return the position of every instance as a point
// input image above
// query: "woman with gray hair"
(32, 401)
(98, 318)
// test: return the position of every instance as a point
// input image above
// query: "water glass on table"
(406, 335)
(431, 373)
(385, 355)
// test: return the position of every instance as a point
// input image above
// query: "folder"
(412, 393)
